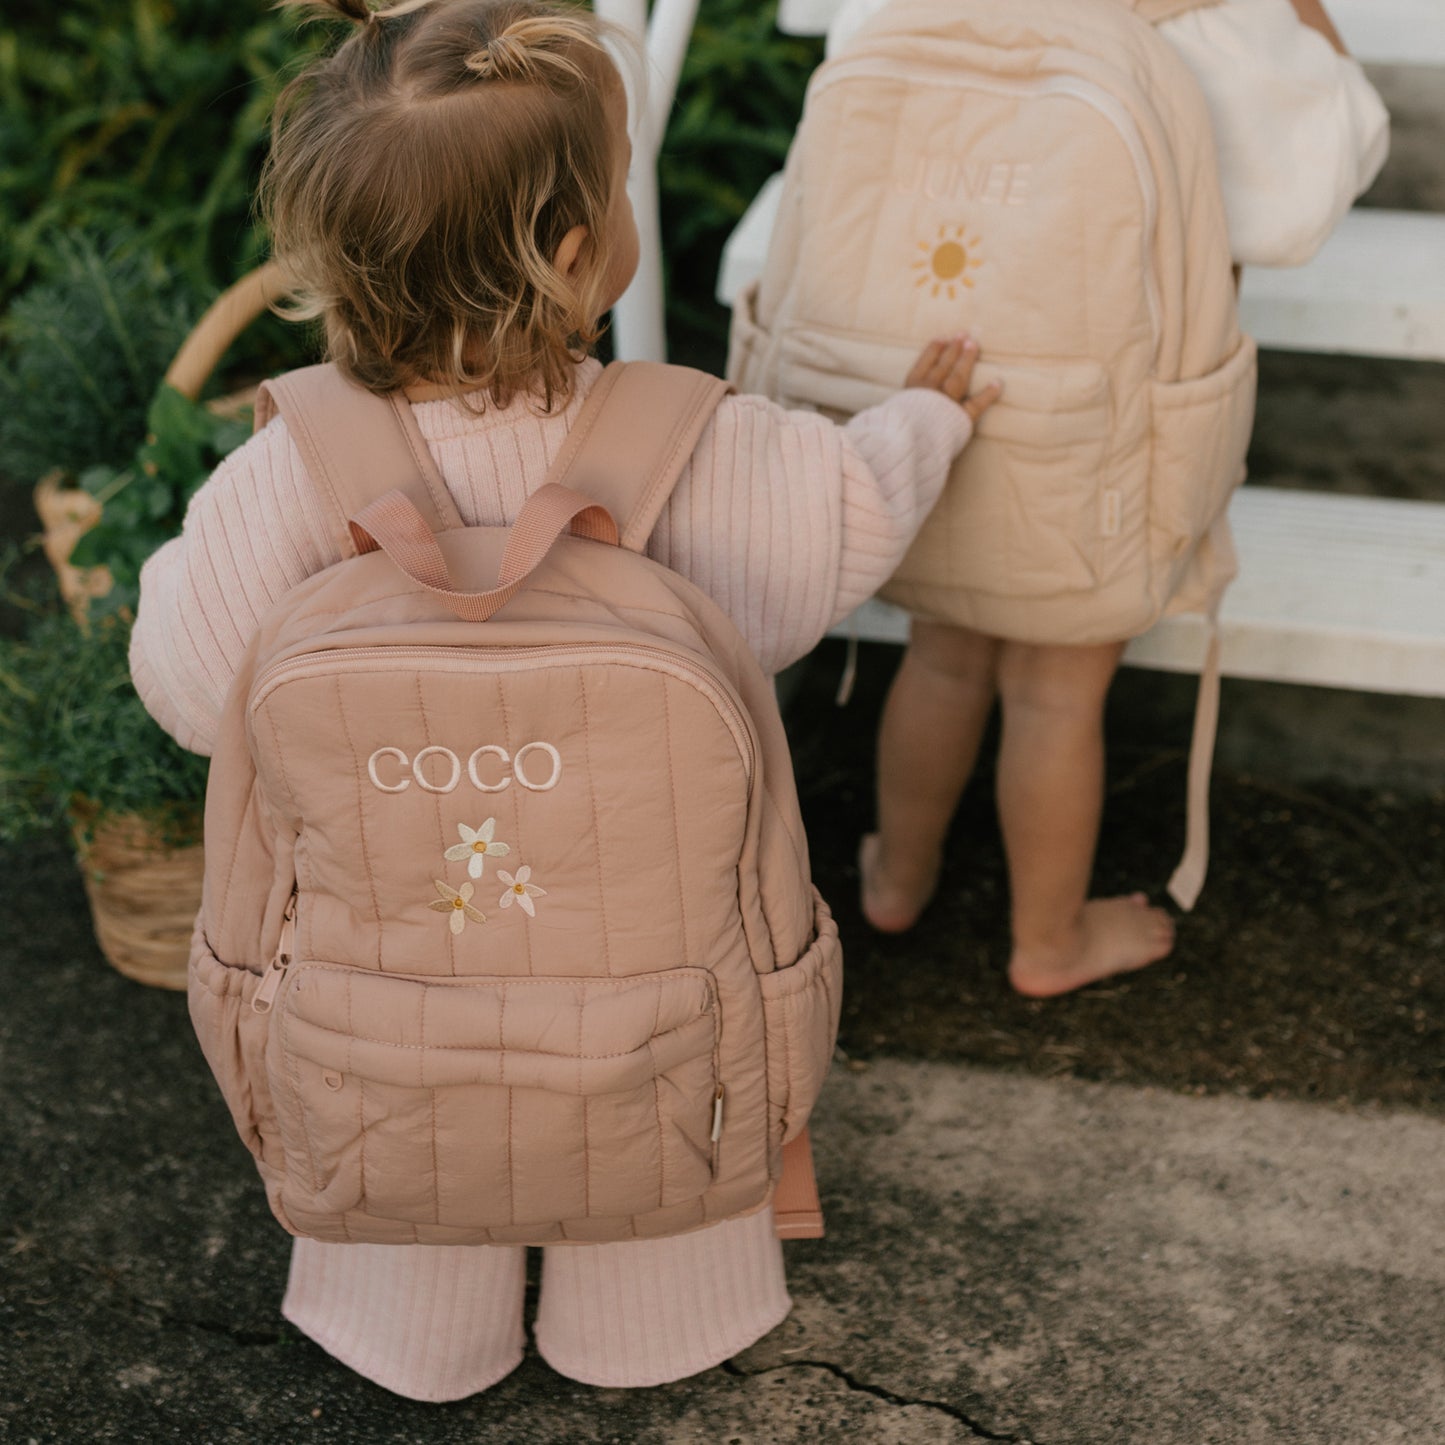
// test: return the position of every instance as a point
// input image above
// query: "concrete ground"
(1009, 1258)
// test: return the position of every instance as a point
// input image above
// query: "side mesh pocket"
(1201, 432)
(801, 1007)
(233, 1040)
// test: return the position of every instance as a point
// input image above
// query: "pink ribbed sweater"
(784, 519)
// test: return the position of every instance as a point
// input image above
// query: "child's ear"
(568, 256)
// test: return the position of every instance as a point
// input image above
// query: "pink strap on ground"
(394, 524)
(1188, 879)
(797, 1211)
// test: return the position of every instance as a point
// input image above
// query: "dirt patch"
(1313, 967)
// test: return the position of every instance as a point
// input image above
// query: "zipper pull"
(717, 1102)
(265, 996)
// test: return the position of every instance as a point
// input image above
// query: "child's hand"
(947, 366)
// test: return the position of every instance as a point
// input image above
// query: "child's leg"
(643, 1312)
(431, 1322)
(1050, 796)
(928, 741)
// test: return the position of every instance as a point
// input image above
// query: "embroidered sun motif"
(947, 260)
(519, 891)
(476, 847)
(457, 902)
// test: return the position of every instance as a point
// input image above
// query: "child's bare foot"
(890, 905)
(1113, 935)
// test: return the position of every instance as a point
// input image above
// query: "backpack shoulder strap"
(632, 438)
(356, 445)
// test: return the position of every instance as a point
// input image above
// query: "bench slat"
(1333, 591)
(1377, 32)
(1391, 32)
(1376, 288)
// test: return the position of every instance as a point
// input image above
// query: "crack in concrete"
(879, 1392)
(139, 1306)
(249, 1338)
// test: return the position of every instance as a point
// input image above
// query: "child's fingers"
(947, 365)
(958, 377)
(976, 405)
(933, 363)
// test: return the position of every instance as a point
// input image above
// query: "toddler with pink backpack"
(508, 935)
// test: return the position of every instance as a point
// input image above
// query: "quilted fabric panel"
(622, 790)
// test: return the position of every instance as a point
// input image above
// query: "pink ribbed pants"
(440, 1322)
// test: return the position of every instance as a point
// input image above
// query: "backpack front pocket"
(493, 1103)
(1023, 513)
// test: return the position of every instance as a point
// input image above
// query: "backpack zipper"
(275, 973)
(702, 678)
(1108, 106)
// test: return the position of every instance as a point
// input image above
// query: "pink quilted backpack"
(508, 934)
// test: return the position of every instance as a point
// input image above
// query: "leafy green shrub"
(81, 353)
(153, 114)
(144, 502)
(72, 728)
(738, 104)
(146, 115)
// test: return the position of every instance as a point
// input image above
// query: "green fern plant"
(72, 728)
(150, 115)
(81, 353)
(738, 103)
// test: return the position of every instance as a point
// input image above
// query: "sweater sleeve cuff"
(938, 415)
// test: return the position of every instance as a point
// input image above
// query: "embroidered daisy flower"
(457, 902)
(476, 846)
(520, 891)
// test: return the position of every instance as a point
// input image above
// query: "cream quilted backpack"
(1040, 174)
(508, 934)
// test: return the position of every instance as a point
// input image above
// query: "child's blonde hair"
(421, 178)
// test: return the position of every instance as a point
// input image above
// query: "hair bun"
(530, 46)
(505, 57)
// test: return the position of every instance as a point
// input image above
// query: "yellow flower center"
(479, 846)
(459, 902)
(519, 888)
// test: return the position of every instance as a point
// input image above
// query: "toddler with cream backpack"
(1042, 176)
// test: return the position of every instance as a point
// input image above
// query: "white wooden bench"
(1333, 590)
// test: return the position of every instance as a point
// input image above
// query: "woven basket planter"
(144, 895)
(66, 515)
